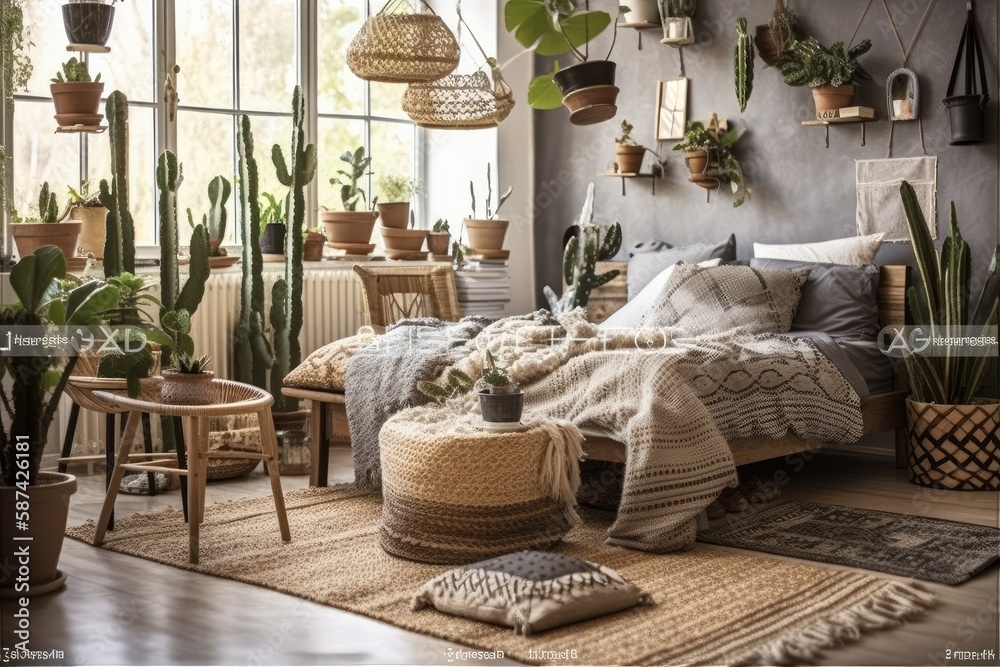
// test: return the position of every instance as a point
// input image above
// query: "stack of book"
(483, 287)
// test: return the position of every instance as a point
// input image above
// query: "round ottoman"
(456, 493)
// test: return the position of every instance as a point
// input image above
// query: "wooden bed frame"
(882, 413)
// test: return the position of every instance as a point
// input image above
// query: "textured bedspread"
(674, 402)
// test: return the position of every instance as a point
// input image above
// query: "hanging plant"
(743, 60)
(16, 70)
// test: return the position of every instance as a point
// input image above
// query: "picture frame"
(671, 108)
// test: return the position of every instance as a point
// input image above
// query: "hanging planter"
(902, 96)
(403, 48)
(966, 112)
(88, 22)
(460, 101)
(675, 16)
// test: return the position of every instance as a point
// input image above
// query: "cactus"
(119, 246)
(295, 176)
(48, 207)
(580, 261)
(214, 221)
(253, 354)
(743, 64)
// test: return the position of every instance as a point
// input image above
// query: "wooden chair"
(391, 293)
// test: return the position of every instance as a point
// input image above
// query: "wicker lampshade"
(459, 101)
(403, 48)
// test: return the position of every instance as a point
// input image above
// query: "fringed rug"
(712, 605)
(948, 552)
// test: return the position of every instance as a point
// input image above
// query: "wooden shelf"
(641, 25)
(88, 48)
(623, 175)
(677, 42)
(837, 121)
(77, 129)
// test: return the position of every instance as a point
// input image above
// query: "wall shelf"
(625, 175)
(76, 129)
(839, 121)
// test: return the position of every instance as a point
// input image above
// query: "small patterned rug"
(711, 606)
(948, 552)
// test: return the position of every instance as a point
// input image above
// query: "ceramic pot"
(348, 227)
(486, 234)
(394, 214)
(828, 98)
(585, 75)
(272, 240)
(187, 388)
(93, 228)
(437, 243)
(88, 22)
(411, 240)
(30, 236)
(501, 408)
(312, 248)
(629, 158)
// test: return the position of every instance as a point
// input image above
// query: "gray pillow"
(530, 591)
(717, 299)
(837, 299)
(644, 266)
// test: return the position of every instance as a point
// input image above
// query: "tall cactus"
(295, 175)
(48, 207)
(253, 355)
(169, 176)
(743, 64)
(119, 246)
(580, 261)
(219, 189)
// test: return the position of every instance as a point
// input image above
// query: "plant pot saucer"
(704, 181)
(499, 427)
(85, 119)
(489, 254)
(413, 255)
(222, 261)
(36, 589)
(352, 248)
(273, 257)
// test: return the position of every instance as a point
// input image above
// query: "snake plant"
(943, 303)
(743, 63)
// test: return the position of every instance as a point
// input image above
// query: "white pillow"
(630, 315)
(855, 250)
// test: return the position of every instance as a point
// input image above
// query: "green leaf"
(86, 306)
(517, 12)
(579, 29)
(32, 277)
(543, 93)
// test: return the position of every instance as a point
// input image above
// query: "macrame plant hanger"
(906, 55)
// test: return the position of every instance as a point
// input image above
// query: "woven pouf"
(453, 493)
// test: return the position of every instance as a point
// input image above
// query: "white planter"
(642, 11)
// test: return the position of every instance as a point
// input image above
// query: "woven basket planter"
(954, 446)
(403, 48)
(456, 494)
(459, 102)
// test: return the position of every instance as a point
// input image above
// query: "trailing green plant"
(286, 296)
(743, 64)
(253, 357)
(944, 305)
(75, 71)
(723, 166)
(347, 180)
(812, 64)
(48, 207)
(219, 189)
(31, 387)
(441, 227)
(454, 384)
(490, 213)
(626, 137)
(580, 258)
(15, 71)
(119, 244)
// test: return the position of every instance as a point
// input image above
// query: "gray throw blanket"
(382, 379)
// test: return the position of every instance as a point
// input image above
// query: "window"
(235, 57)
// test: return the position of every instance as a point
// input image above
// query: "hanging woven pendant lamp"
(403, 48)
(460, 101)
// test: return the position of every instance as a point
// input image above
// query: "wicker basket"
(954, 446)
(460, 101)
(403, 48)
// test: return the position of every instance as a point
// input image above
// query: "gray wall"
(802, 191)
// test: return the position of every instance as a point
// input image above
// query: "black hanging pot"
(589, 91)
(272, 241)
(88, 22)
(585, 75)
(966, 112)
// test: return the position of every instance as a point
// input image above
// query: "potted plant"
(313, 241)
(88, 21)
(135, 306)
(675, 16)
(628, 154)
(438, 238)
(394, 193)
(219, 189)
(556, 27)
(92, 214)
(487, 233)
(350, 229)
(403, 243)
(76, 97)
(709, 157)
(500, 399)
(952, 434)
(31, 388)
(46, 228)
(641, 11)
(186, 382)
(272, 224)
(831, 72)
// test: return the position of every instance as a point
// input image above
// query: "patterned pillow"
(530, 591)
(728, 298)
(326, 368)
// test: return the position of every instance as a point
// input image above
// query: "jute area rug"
(712, 605)
(949, 552)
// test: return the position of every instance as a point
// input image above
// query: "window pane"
(205, 148)
(141, 173)
(40, 155)
(129, 67)
(267, 54)
(268, 131)
(47, 48)
(392, 152)
(387, 100)
(335, 137)
(339, 90)
(205, 53)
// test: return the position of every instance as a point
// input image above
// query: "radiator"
(332, 308)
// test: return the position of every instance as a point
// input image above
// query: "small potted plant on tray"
(500, 399)
(76, 97)
(628, 153)
(350, 229)
(46, 229)
(709, 157)
(438, 238)
(186, 382)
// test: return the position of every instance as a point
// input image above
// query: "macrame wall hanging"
(403, 47)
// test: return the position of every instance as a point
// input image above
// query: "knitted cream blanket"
(673, 402)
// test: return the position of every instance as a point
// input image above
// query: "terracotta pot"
(48, 503)
(348, 227)
(187, 388)
(828, 98)
(30, 236)
(954, 446)
(704, 181)
(312, 248)
(88, 22)
(438, 242)
(486, 234)
(629, 158)
(76, 98)
(94, 228)
(697, 161)
(403, 239)
(394, 214)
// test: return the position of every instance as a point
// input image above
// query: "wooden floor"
(119, 610)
